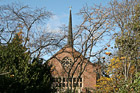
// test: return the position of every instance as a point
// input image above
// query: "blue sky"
(59, 7)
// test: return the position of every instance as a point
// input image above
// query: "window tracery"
(66, 61)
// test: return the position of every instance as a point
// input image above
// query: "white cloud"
(54, 23)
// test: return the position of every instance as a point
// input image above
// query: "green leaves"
(22, 75)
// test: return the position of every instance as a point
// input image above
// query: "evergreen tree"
(17, 75)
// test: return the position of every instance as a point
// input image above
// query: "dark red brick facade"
(89, 75)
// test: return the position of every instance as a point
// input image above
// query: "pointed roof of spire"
(70, 35)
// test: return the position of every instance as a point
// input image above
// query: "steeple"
(70, 35)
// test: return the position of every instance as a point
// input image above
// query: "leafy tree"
(39, 77)
(130, 48)
(14, 61)
(113, 70)
(128, 43)
(123, 67)
(17, 74)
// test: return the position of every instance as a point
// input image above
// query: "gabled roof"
(71, 50)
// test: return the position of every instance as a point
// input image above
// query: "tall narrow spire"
(70, 35)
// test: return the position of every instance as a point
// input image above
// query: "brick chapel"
(71, 69)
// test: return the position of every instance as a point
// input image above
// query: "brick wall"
(89, 74)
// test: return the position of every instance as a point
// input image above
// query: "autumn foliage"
(121, 73)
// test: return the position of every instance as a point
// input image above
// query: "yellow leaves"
(20, 34)
(20, 25)
(103, 57)
(12, 75)
(108, 53)
(114, 66)
(113, 59)
(116, 72)
(132, 69)
(122, 58)
(18, 37)
(105, 84)
(108, 79)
